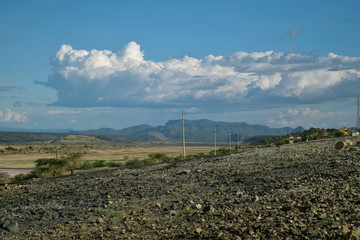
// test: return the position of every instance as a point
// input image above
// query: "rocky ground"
(299, 191)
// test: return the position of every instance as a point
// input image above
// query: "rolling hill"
(195, 131)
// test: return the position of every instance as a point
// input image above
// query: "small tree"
(51, 166)
(74, 161)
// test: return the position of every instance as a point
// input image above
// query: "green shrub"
(160, 157)
(149, 161)
(51, 166)
(4, 178)
(33, 174)
(10, 149)
(155, 158)
(282, 142)
(86, 165)
(98, 164)
(22, 177)
(36, 173)
(133, 162)
(114, 164)
(223, 151)
(200, 154)
(178, 158)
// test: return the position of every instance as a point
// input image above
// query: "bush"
(10, 149)
(4, 178)
(160, 157)
(20, 177)
(50, 166)
(149, 161)
(200, 155)
(114, 164)
(98, 164)
(133, 162)
(178, 158)
(223, 151)
(86, 165)
(34, 174)
(282, 142)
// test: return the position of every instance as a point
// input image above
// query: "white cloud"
(62, 111)
(99, 78)
(8, 115)
(306, 117)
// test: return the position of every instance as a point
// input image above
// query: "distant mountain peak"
(200, 130)
(298, 129)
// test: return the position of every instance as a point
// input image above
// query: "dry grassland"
(26, 155)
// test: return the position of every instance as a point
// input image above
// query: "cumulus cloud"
(304, 116)
(8, 115)
(98, 78)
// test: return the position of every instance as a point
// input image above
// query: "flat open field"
(26, 155)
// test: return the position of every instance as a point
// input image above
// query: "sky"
(89, 64)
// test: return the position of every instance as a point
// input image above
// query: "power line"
(215, 131)
(358, 114)
(183, 134)
(229, 132)
(238, 141)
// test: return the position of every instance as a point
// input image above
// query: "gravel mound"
(299, 191)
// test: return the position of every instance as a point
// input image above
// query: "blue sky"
(91, 64)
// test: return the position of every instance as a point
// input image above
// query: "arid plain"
(26, 155)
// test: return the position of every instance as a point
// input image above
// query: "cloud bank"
(305, 115)
(243, 80)
(8, 115)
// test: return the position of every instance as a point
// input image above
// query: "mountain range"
(202, 130)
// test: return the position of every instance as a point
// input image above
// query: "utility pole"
(238, 145)
(358, 114)
(229, 132)
(183, 134)
(215, 131)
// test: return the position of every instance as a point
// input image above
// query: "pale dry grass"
(25, 157)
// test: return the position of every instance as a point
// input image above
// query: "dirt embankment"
(300, 191)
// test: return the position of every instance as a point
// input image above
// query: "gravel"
(299, 191)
